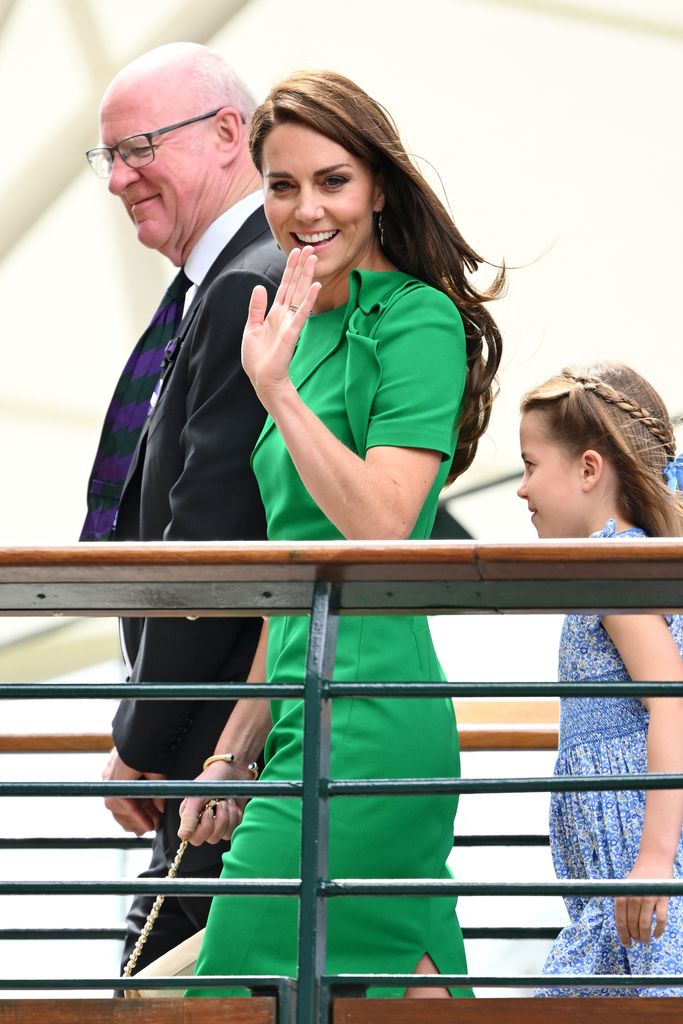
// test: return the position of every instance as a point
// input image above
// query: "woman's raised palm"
(268, 341)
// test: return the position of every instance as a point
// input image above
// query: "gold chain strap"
(157, 905)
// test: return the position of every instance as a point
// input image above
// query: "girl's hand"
(634, 913)
(199, 824)
(268, 342)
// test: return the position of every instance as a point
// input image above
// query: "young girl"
(600, 461)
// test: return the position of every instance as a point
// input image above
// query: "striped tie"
(128, 411)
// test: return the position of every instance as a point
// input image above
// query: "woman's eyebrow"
(323, 170)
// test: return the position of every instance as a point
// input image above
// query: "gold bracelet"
(230, 759)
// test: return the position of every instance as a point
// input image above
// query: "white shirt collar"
(217, 236)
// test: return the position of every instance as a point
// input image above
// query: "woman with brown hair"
(376, 364)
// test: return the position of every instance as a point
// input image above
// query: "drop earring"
(380, 227)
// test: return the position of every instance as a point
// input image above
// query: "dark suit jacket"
(190, 479)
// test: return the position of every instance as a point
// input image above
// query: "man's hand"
(133, 814)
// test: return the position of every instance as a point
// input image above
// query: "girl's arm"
(650, 654)
(244, 736)
(378, 497)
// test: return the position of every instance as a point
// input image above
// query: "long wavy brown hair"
(609, 407)
(419, 236)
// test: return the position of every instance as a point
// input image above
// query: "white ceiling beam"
(88, 33)
(143, 273)
(639, 23)
(5, 11)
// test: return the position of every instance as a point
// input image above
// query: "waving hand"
(268, 342)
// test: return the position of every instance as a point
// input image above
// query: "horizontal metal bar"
(510, 934)
(451, 887)
(551, 784)
(162, 787)
(502, 981)
(343, 887)
(118, 933)
(75, 843)
(143, 843)
(262, 983)
(505, 689)
(347, 787)
(281, 691)
(52, 934)
(174, 886)
(148, 691)
(500, 840)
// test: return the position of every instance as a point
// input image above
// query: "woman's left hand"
(201, 824)
(268, 342)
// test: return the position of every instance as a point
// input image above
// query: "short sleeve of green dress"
(388, 369)
(411, 396)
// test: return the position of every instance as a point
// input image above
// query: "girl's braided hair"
(609, 407)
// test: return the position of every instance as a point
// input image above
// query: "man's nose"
(121, 176)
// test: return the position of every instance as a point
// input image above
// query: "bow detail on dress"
(371, 296)
(673, 474)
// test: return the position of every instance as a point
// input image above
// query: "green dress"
(386, 369)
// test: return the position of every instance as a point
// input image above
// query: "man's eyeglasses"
(136, 150)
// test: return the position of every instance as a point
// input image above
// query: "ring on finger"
(294, 309)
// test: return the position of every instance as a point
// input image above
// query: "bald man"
(174, 127)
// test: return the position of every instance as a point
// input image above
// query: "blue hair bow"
(673, 474)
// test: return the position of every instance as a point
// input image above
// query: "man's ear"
(229, 131)
(592, 469)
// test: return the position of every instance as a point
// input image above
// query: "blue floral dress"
(597, 835)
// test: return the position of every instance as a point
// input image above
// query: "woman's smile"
(318, 240)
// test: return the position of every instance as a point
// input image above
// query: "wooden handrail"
(262, 1010)
(482, 725)
(369, 560)
(276, 578)
(512, 1011)
(537, 737)
(55, 743)
(257, 1010)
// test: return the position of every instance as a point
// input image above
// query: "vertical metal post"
(322, 642)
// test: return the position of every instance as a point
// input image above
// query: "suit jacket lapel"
(254, 226)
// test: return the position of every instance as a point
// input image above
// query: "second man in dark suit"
(173, 149)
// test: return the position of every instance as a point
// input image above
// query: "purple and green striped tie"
(127, 412)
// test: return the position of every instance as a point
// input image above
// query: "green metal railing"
(307, 579)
